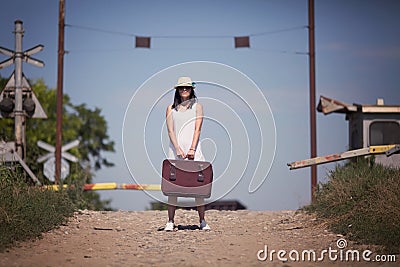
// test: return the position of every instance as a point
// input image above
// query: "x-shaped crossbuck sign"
(52, 150)
(25, 56)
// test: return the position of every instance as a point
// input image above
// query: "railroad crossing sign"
(17, 100)
(25, 56)
(49, 168)
(18, 95)
(9, 93)
(49, 165)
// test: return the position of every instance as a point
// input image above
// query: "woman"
(184, 120)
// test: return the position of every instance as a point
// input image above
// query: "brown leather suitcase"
(186, 178)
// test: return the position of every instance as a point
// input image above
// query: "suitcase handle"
(200, 177)
(172, 172)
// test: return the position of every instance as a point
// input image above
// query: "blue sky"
(357, 61)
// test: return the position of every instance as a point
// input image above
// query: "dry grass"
(362, 201)
(27, 211)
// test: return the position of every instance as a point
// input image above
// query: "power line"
(279, 31)
(280, 51)
(183, 36)
(123, 50)
(99, 30)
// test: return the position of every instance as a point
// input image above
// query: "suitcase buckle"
(200, 177)
(172, 172)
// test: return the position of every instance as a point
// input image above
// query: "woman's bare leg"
(201, 208)
(172, 201)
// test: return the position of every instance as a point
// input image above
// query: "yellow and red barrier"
(111, 186)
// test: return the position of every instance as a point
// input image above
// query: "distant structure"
(216, 205)
(369, 125)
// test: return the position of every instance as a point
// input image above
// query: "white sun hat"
(185, 81)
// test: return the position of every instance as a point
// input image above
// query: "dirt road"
(237, 238)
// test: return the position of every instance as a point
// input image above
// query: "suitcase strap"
(172, 173)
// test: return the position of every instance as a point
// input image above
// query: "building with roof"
(369, 125)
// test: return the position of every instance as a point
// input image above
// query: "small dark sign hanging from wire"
(242, 41)
(142, 42)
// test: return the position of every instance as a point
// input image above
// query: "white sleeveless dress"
(184, 126)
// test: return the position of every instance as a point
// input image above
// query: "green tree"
(79, 122)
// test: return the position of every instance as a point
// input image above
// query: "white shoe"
(169, 227)
(204, 226)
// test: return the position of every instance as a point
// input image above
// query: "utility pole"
(61, 26)
(313, 127)
(18, 111)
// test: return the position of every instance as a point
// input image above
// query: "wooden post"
(313, 127)
(61, 26)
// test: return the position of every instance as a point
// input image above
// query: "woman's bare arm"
(197, 128)
(171, 132)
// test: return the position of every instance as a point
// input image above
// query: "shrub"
(27, 211)
(362, 201)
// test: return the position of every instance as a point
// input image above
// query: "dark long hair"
(178, 99)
